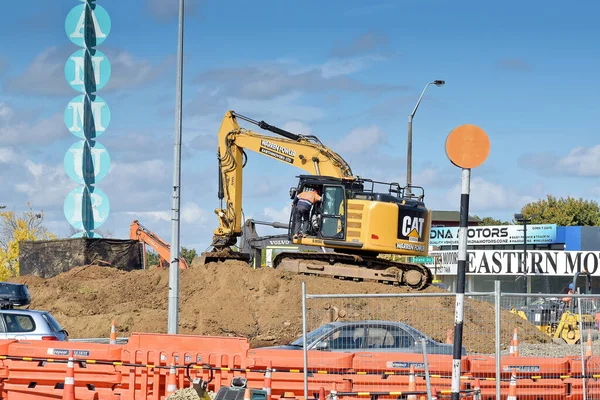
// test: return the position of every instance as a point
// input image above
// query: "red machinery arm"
(139, 232)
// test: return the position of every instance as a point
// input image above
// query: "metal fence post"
(581, 345)
(426, 366)
(498, 298)
(304, 349)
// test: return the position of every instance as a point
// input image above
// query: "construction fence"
(515, 346)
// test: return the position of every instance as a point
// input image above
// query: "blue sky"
(349, 72)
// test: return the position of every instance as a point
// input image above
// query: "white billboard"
(510, 262)
(496, 234)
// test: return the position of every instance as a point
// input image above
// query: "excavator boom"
(139, 232)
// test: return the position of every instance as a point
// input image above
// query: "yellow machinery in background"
(561, 319)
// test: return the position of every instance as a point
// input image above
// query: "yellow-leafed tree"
(15, 228)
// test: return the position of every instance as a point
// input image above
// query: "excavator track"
(355, 267)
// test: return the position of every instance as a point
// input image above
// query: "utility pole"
(438, 83)
(173, 322)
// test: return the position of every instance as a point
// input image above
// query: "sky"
(348, 72)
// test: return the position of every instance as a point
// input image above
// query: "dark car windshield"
(312, 336)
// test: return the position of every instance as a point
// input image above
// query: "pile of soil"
(264, 305)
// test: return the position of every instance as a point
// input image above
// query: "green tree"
(151, 258)
(188, 254)
(487, 221)
(17, 228)
(563, 212)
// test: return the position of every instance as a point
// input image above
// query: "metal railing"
(537, 317)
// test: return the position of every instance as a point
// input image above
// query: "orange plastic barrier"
(30, 379)
(527, 389)
(294, 359)
(401, 362)
(139, 370)
(223, 353)
(485, 366)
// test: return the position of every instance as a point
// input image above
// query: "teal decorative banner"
(87, 117)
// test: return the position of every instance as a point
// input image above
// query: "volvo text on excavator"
(357, 218)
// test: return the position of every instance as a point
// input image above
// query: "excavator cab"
(328, 216)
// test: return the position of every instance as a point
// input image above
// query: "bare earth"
(263, 305)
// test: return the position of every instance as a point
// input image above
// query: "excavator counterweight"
(357, 219)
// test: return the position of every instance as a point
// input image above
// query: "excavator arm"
(139, 232)
(302, 151)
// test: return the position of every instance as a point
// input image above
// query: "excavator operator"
(302, 205)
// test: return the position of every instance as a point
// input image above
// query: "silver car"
(30, 325)
(377, 336)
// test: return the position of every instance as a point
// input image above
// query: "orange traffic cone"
(588, 346)
(515, 344)
(267, 384)
(321, 393)
(512, 389)
(412, 386)
(69, 387)
(247, 394)
(113, 333)
(434, 394)
(477, 395)
(172, 378)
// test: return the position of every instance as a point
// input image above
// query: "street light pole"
(409, 146)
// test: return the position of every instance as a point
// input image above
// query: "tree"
(15, 229)
(563, 212)
(487, 221)
(188, 254)
(151, 258)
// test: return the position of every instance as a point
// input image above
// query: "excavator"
(139, 232)
(359, 219)
(254, 244)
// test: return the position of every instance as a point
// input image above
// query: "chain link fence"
(400, 346)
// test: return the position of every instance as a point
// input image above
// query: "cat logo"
(412, 227)
(413, 236)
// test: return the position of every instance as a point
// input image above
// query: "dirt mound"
(263, 305)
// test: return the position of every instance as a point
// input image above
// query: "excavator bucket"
(222, 255)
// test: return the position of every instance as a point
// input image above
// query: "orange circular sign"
(467, 146)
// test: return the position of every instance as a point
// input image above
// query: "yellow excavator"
(558, 318)
(358, 218)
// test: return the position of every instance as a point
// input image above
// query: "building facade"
(543, 263)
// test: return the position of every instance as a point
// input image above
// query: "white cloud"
(282, 107)
(7, 155)
(44, 184)
(152, 216)
(487, 196)
(297, 127)
(45, 74)
(581, 161)
(6, 112)
(365, 43)
(192, 213)
(361, 140)
(22, 131)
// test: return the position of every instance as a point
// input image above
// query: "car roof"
(23, 311)
(373, 322)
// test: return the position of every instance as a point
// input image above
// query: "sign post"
(467, 147)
